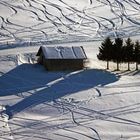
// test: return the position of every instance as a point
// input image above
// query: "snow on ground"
(27, 22)
(90, 104)
(86, 104)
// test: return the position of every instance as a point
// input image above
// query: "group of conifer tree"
(120, 52)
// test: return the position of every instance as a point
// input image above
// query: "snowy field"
(29, 22)
(91, 104)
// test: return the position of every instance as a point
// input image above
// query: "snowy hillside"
(91, 104)
(81, 105)
(67, 20)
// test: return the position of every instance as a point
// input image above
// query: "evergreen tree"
(128, 52)
(105, 51)
(136, 56)
(117, 51)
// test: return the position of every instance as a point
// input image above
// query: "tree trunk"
(137, 66)
(118, 66)
(128, 66)
(107, 65)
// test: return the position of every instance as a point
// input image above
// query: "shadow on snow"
(48, 86)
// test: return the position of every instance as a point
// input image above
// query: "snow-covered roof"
(60, 52)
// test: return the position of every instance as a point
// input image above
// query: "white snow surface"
(78, 105)
(46, 21)
(90, 104)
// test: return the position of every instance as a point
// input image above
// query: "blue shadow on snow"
(30, 77)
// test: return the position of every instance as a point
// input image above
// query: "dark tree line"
(120, 52)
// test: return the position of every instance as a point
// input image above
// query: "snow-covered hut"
(62, 58)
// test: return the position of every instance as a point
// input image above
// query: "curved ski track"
(49, 20)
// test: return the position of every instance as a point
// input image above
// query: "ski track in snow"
(69, 22)
(86, 112)
(90, 115)
(80, 115)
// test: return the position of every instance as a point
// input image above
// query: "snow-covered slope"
(91, 104)
(87, 104)
(67, 20)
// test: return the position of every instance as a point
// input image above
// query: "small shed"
(62, 58)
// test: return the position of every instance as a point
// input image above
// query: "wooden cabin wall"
(63, 64)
